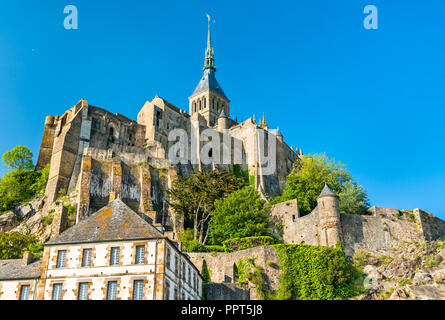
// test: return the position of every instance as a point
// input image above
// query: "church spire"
(209, 62)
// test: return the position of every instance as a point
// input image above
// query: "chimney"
(27, 258)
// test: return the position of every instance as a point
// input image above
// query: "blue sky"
(372, 99)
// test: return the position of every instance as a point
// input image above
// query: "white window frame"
(140, 255)
(61, 263)
(114, 259)
(86, 260)
(112, 290)
(83, 295)
(138, 290)
(57, 291)
(24, 292)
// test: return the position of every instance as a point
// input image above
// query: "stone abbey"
(95, 153)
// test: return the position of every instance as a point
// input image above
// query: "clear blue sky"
(372, 99)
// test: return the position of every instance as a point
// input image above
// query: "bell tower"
(209, 99)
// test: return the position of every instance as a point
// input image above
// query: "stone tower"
(222, 122)
(329, 214)
(209, 99)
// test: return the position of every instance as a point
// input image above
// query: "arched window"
(111, 132)
(210, 152)
(199, 104)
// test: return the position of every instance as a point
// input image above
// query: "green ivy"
(316, 273)
(248, 272)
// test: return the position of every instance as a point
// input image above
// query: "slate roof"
(13, 270)
(113, 222)
(327, 192)
(208, 81)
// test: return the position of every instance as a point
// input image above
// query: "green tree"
(14, 244)
(18, 158)
(194, 197)
(353, 199)
(16, 187)
(306, 180)
(241, 214)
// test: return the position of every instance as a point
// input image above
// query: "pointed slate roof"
(208, 81)
(223, 114)
(113, 222)
(327, 192)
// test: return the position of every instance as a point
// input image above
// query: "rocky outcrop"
(40, 220)
(411, 271)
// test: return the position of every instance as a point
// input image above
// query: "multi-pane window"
(61, 257)
(189, 277)
(114, 257)
(24, 292)
(86, 258)
(112, 290)
(57, 291)
(183, 270)
(140, 254)
(83, 291)
(138, 289)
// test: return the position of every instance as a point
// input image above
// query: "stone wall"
(225, 291)
(286, 222)
(221, 265)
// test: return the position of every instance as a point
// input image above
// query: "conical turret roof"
(327, 192)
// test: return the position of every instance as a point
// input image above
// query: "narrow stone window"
(176, 265)
(167, 259)
(167, 290)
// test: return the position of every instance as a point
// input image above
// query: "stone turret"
(329, 214)
(222, 121)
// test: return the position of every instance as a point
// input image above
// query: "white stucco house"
(114, 254)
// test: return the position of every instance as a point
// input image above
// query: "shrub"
(196, 246)
(360, 258)
(241, 214)
(237, 244)
(47, 220)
